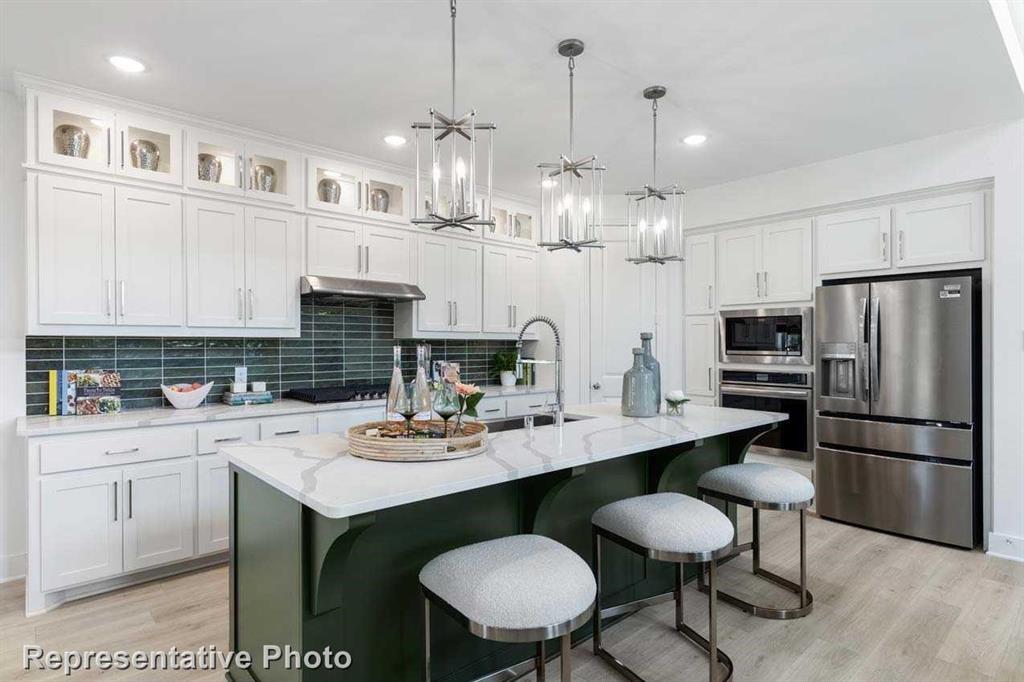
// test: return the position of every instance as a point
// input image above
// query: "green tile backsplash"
(342, 341)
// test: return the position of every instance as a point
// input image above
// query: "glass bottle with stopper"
(651, 363)
(638, 389)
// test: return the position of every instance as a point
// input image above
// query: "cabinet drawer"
(68, 453)
(521, 405)
(342, 420)
(211, 436)
(291, 425)
(491, 408)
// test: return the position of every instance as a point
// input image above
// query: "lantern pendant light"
(571, 190)
(654, 215)
(453, 156)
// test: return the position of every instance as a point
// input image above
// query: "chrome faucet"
(559, 409)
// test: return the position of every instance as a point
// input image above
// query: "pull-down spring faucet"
(559, 408)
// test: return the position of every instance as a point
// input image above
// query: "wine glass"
(446, 404)
(406, 404)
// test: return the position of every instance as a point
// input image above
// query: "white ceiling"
(774, 84)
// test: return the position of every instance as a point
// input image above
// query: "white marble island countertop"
(318, 471)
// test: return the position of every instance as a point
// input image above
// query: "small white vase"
(507, 378)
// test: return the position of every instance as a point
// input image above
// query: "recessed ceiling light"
(695, 140)
(394, 140)
(126, 64)
(548, 183)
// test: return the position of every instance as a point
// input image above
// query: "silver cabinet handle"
(367, 248)
(455, 307)
(122, 150)
(252, 305)
(129, 498)
(765, 280)
(109, 160)
(709, 380)
(449, 313)
(709, 297)
(122, 452)
(252, 169)
(227, 439)
(359, 196)
(122, 299)
(110, 296)
(515, 315)
(359, 258)
(241, 163)
(885, 246)
(757, 285)
(533, 407)
(496, 409)
(902, 255)
(290, 432)
(115, 500)
(241, 305)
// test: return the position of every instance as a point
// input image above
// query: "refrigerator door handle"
(863, 346)
(873, 349)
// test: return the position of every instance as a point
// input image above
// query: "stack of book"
(89, 391)
(248, 398)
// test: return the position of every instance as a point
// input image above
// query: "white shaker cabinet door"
(497, 294)
(80, 527)
(211, 504)
(215, 258)
(334, 248)
(434, 313)
(150, 289)
(272, 264)
(853, 241)
(787, 261)
(700, 351)
(739, 266)
(387, 254)
(75, 244)
(466, 286)
(159, 502)
(524, 287)
(700, 274)
(949, 229)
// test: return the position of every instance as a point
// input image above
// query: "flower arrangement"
(469, 398)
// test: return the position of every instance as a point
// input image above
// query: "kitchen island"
(326, 548)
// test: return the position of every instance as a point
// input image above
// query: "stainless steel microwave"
(770, 336)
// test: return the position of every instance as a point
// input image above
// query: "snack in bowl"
(185, 396)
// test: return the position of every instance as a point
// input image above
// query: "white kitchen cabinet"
(787, 265)
(272, 173)
(701, 350)
(853, 241)
(212, 514)
(497, 314)
(149, 258)
(342, 248)
(700, 274)
(149, 148)
(74, 133)
(272, 264)
(525, 289)
(231, 165)
(215, 258)
(941, 230)
(465, 286)
(159, 503)
(450, 274)
(387, 254)
(434, 314)
(75, 263)
(387, 196)
(765, 264)
(523, 225)
(287, 425)
(334, 186)
(739, 266)
(342, 420)
(80, 527)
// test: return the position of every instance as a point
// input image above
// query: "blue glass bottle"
(651, 363)
(638, 389)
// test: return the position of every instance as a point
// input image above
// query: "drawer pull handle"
(496, 409)
(227, 439)
(541, 405)
(286, 433)
(122, 452)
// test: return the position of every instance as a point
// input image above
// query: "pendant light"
(452, 198)
(654, 215)
(571, 190)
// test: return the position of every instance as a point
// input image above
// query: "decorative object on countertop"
(654, 215)
(329, 191)
(386, 442)
(395, 388)
(461, 209)
(71, 140)
(675, 401)
(446, 402)
(423, 369)
(258, 386)
(380, 200)
(264, 178)
(638, 396)
(406, 405)
(145, 154)
(571, 190)
(247, 398)
(445, 371)
(504, 365)
(186, 396)
(651, 363)
(209, 168)
(469, 398)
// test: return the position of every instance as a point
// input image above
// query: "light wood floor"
(886, 608)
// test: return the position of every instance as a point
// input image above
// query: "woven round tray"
(472, 440)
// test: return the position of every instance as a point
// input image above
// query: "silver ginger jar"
(144, 154)
(70, 140)
(209, 168)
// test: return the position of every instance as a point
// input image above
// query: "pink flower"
(451, 375)
(466, 390)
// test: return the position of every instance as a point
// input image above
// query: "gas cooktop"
(339, 394)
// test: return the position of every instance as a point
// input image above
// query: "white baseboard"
(12, 567)
(1006, 546)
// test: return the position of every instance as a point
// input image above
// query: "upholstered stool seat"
(764, 483)
(522, 588)
(668, 527)
(763, 486)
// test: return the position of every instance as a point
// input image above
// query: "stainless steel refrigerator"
(898, 405)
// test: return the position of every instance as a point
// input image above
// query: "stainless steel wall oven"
(788, 392)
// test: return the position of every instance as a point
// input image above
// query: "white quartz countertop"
(29, 427)
(318, 471)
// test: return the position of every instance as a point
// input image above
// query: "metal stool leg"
(567, 657)
(426, 640)
(717, 660)
(755, 543)
(540, 662)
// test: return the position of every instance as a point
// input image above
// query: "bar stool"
(666, 527)
(763, 486)
(522, 588)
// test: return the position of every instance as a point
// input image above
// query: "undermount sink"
(513, 423)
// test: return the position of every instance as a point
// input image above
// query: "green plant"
(503, 361)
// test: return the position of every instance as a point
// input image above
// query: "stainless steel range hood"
(361, 288)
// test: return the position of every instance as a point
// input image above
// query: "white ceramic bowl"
(186, 400)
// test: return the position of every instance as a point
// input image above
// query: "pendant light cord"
(654, 169)
(572, 67)
(453, 59)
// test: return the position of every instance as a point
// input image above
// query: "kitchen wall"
(342, 342)
(995, 152)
